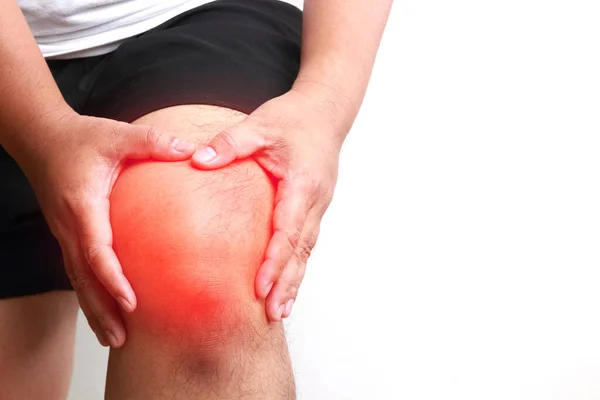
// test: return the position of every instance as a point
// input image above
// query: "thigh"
(37, 337)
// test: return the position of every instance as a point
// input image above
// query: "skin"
(73, 175)
(190, 243)
(297, 137)
(49, 328)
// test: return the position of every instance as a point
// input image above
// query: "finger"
(288, 284)
(289, 214)
(105, 320)
(95, 235)
(238, 141)
(91, 319)
(281, 299)
(98, 307)
(101, 305)
(142, 142)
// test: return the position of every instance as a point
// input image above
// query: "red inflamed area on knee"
(190, 242)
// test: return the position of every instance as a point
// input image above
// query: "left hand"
(294, 137)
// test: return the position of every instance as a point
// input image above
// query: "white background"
(460, 258)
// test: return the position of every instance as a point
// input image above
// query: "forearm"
(340, 39)
(29, 97)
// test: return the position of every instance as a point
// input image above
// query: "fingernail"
(125, 304)
(280, 311)
(112, 339)
(268, 290)
(205, 155)
(288, 307)
(182, 146)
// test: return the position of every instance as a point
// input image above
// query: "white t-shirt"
(84, 28)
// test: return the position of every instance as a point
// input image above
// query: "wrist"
(29, 133)
(332, 104)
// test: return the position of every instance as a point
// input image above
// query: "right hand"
(72, 168)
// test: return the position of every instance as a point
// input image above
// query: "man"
(206, 252)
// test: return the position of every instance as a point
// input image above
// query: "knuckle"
(303, 252)
(79, 204)
(261, 141)
(293, 237)
(227, 136)
(292, 290)
(81, 208)
(327, 196)
(170, 141)
(311, 239)
(152, 136)
(309, 183)
(80, 283)
(92, 253)
(278, 150)
(73, 203)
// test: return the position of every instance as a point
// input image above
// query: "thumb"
(142, 142)
(238, 141)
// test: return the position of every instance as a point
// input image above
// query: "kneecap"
(190, 243)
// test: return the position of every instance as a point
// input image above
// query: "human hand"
(72, 168)
(295, 139)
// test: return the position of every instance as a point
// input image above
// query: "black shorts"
(230, 53)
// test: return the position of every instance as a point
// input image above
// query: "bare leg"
(37, 339)
(190, 243)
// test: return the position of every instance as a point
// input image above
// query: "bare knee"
(190, 243)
